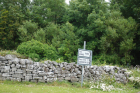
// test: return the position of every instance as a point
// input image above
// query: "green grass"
(13, 52)
(55, 87)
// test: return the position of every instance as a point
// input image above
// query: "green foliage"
(37, 50)
(26, 31)
(66, 42)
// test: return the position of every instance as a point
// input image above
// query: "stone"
(18, 65)
(28, 77)
(37, 78)
(7, 68)
(43, 81)
(22, 61)
(46, 62)
(6, 75)
(74, 79)
(10, 57)
(14, 69)
(16, 60)
(42, 74)
(67, 78)
(35, 81)
(55, 63)
(50, 79)
(2, 58)
(13, 65)
(17, 75)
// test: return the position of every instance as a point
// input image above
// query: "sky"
(67, 1)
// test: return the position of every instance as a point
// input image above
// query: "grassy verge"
(54, 87)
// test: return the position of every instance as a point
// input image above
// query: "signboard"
(84, 57)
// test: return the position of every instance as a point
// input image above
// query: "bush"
(37, 50)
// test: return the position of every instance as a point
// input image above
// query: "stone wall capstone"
(16, 69)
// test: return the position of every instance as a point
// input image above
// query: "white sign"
(84, 57)
(84, 53)
(83, 61)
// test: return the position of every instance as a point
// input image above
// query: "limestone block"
(34, 72)
(30, 66)
(50, 62)
(65, 64)
(13, 79)
(60, 78)
(61, 65)
(23, 66)
(2, 58)
(18, 65)
(67, 78)
(67, 75)
(13, 65)
(19, 79)
(63, 75)
(67, 72)
(22, 61)
(46, 69)
(42, 74)
(16, 60)
(49, 73)
(10, 61)
(55, 63)
(44, 65)
(29, 70)
(14, 69)
(6, 75)
(2, 64)
(7, 68)
(11, 73)
(35, 81)
(18, 72)
(37, 77)
(10, 57)
(40, 80)
(6, 62)
(28, 77)
(55, 79)
(17, 75)
(59, 75)
(74, 79)
(79, 76)
(45, 62)
(63, 71)
(44, 77)
(72, 70)
(50, 79)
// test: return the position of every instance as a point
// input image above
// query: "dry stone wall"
(16, 69)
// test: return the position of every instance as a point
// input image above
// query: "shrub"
(37, 50)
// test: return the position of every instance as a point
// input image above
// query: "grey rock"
(18, 65)
(37, 78)
(15, 60)
(2, 58)
(10, 57)
(67, 78)
(74, 79)
(22, 61)
(13, 65)
(6, 75)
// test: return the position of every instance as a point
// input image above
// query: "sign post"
(84, 58)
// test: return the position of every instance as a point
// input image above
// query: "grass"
(13, 52)
(54, 87)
